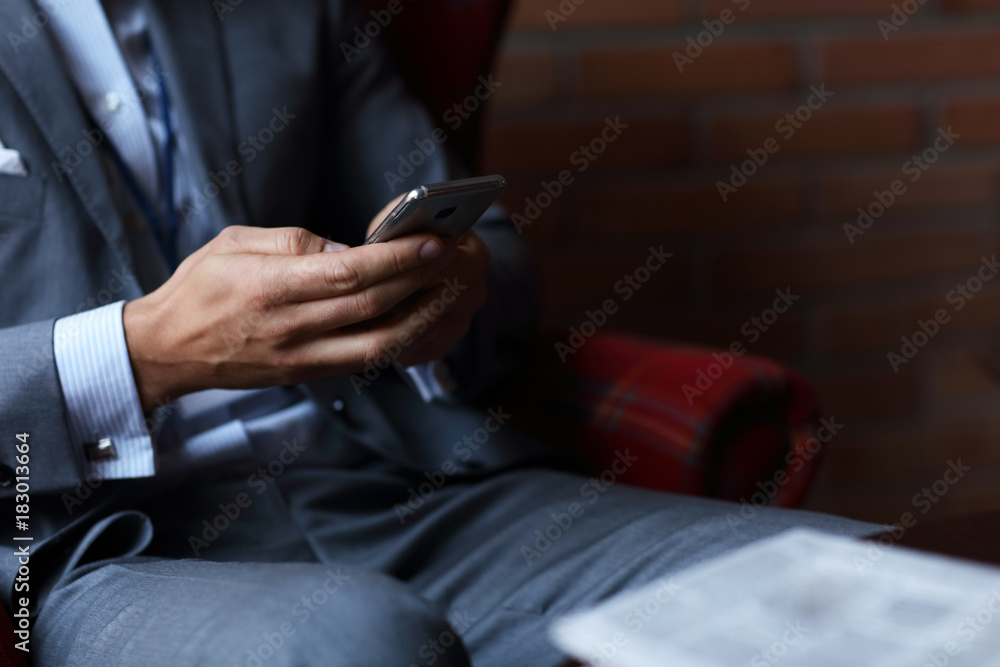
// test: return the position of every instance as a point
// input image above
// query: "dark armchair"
(700, 422)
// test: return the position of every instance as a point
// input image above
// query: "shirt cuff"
(431, 380)
(100, 393)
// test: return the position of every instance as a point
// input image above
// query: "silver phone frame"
(414, 213)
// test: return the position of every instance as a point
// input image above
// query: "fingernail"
(430, 250)
(332, 246)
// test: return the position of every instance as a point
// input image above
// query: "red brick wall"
(658, 183)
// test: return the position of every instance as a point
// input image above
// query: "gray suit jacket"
(63, 248)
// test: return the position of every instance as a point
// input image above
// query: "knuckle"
(280, 329)
(369, 303)
(260, 301)
(343, 276)
(398, 258)
(276, 287)
(296, 240)
(230, 234)
(262, 295)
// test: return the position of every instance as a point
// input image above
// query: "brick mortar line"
(566, 38)
(845, 96)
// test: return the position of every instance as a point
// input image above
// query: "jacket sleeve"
(31, 402)
(383, 143)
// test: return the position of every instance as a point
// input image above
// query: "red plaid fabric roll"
(697, 421)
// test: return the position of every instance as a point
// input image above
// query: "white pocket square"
(11, 162)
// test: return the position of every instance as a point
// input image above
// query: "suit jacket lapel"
(187, 36)
(34, 69)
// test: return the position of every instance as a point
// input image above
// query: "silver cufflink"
(102, 450)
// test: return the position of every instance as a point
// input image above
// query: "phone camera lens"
(445, 213)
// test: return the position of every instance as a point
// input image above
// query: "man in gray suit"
(204, 441)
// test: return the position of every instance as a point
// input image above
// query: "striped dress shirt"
(107, 54)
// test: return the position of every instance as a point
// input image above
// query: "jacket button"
(6, 475)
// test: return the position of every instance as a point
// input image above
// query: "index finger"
(328, 274)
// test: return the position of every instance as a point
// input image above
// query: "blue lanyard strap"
(164, 230)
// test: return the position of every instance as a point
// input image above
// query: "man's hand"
(444, 307)
(448, 302)
(259, 307)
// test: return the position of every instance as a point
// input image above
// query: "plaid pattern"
(745, 432)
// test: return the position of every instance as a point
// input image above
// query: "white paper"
(801, 599)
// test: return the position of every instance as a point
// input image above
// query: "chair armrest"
(10, 656)
(698, 421)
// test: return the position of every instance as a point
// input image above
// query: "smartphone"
(446, 209)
